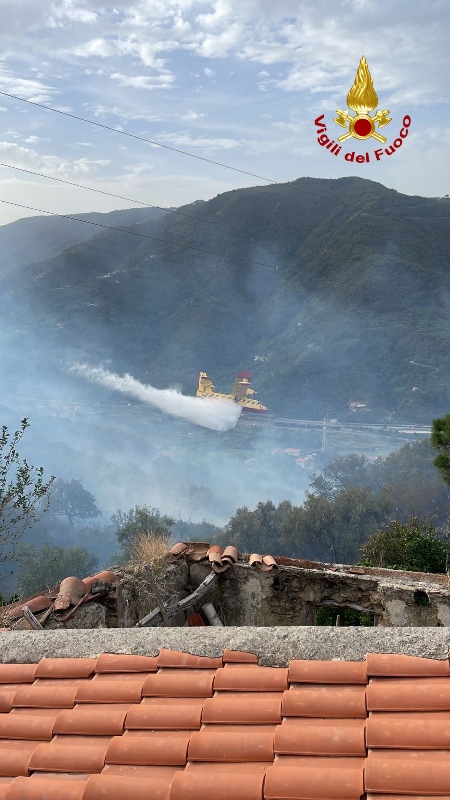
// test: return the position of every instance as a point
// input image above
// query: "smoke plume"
(217, 415)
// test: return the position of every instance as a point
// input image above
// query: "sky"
(235, 81)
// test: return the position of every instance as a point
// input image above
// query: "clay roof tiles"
(185, 727)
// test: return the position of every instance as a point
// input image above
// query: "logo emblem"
(362, 98)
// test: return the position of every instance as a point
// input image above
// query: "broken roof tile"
(117, 662)
(309, 700)
(251, 679)
(172, 658)
(239, 657)
(390, 665)
(408, 694)
(353, 672)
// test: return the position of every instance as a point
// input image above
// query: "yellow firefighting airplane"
(241, 393)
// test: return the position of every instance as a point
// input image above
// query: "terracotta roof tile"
(390, 665)
(306, 700)
(92, 719)
(112, 662)
(28, 723)
(236, 743)
(17, 673)
(147, 748)
(70, 754)
(339, 778)
(7, 693)
(168, 713)
(182, 727)
(179, 683)
(409, 730)
(321, 737)
(16, 755)
(408, 694)
(246, 708)
(59, 694)
(341, 672)
(98, 691)
(239, 657)
(131, 785)
(47, 788)
(172, 658)
(251, 679)
(193, 785)
(5, 784)
(408, 772)
(65, 667)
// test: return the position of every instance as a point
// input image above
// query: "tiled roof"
(186, 727)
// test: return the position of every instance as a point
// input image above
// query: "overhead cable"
(142, 235)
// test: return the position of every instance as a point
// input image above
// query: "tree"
(345, 471)
(23, 492)
(333, 529)
(415, 546)
(440, 439)
(46, 566)
(70, 499)
(263, 530)
(138, 521)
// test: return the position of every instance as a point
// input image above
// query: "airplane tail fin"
(205, 385)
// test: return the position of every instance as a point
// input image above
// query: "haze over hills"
(347, 301)
(352, 305)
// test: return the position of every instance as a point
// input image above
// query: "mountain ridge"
(338, 315)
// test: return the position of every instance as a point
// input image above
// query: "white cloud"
(192, 116)
(209, 72)
(144, 81)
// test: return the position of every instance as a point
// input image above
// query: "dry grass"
(148, 548)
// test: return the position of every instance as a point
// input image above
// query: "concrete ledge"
(274, 646)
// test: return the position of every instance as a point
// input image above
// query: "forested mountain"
(349, 300)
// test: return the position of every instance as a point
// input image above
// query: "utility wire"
(120, 197)
(200, 158)
(143, 235)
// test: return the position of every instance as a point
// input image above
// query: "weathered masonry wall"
(290, 595)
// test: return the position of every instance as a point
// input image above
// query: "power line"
(142, 235)
(120, 197)
(200, 158)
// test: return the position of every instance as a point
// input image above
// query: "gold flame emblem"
(362, 98)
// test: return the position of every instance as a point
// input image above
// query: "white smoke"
(218, 415)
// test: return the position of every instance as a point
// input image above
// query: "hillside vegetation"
(354, 306)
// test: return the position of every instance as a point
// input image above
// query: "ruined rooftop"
(245, 590)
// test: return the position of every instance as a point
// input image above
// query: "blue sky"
(238, 81)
